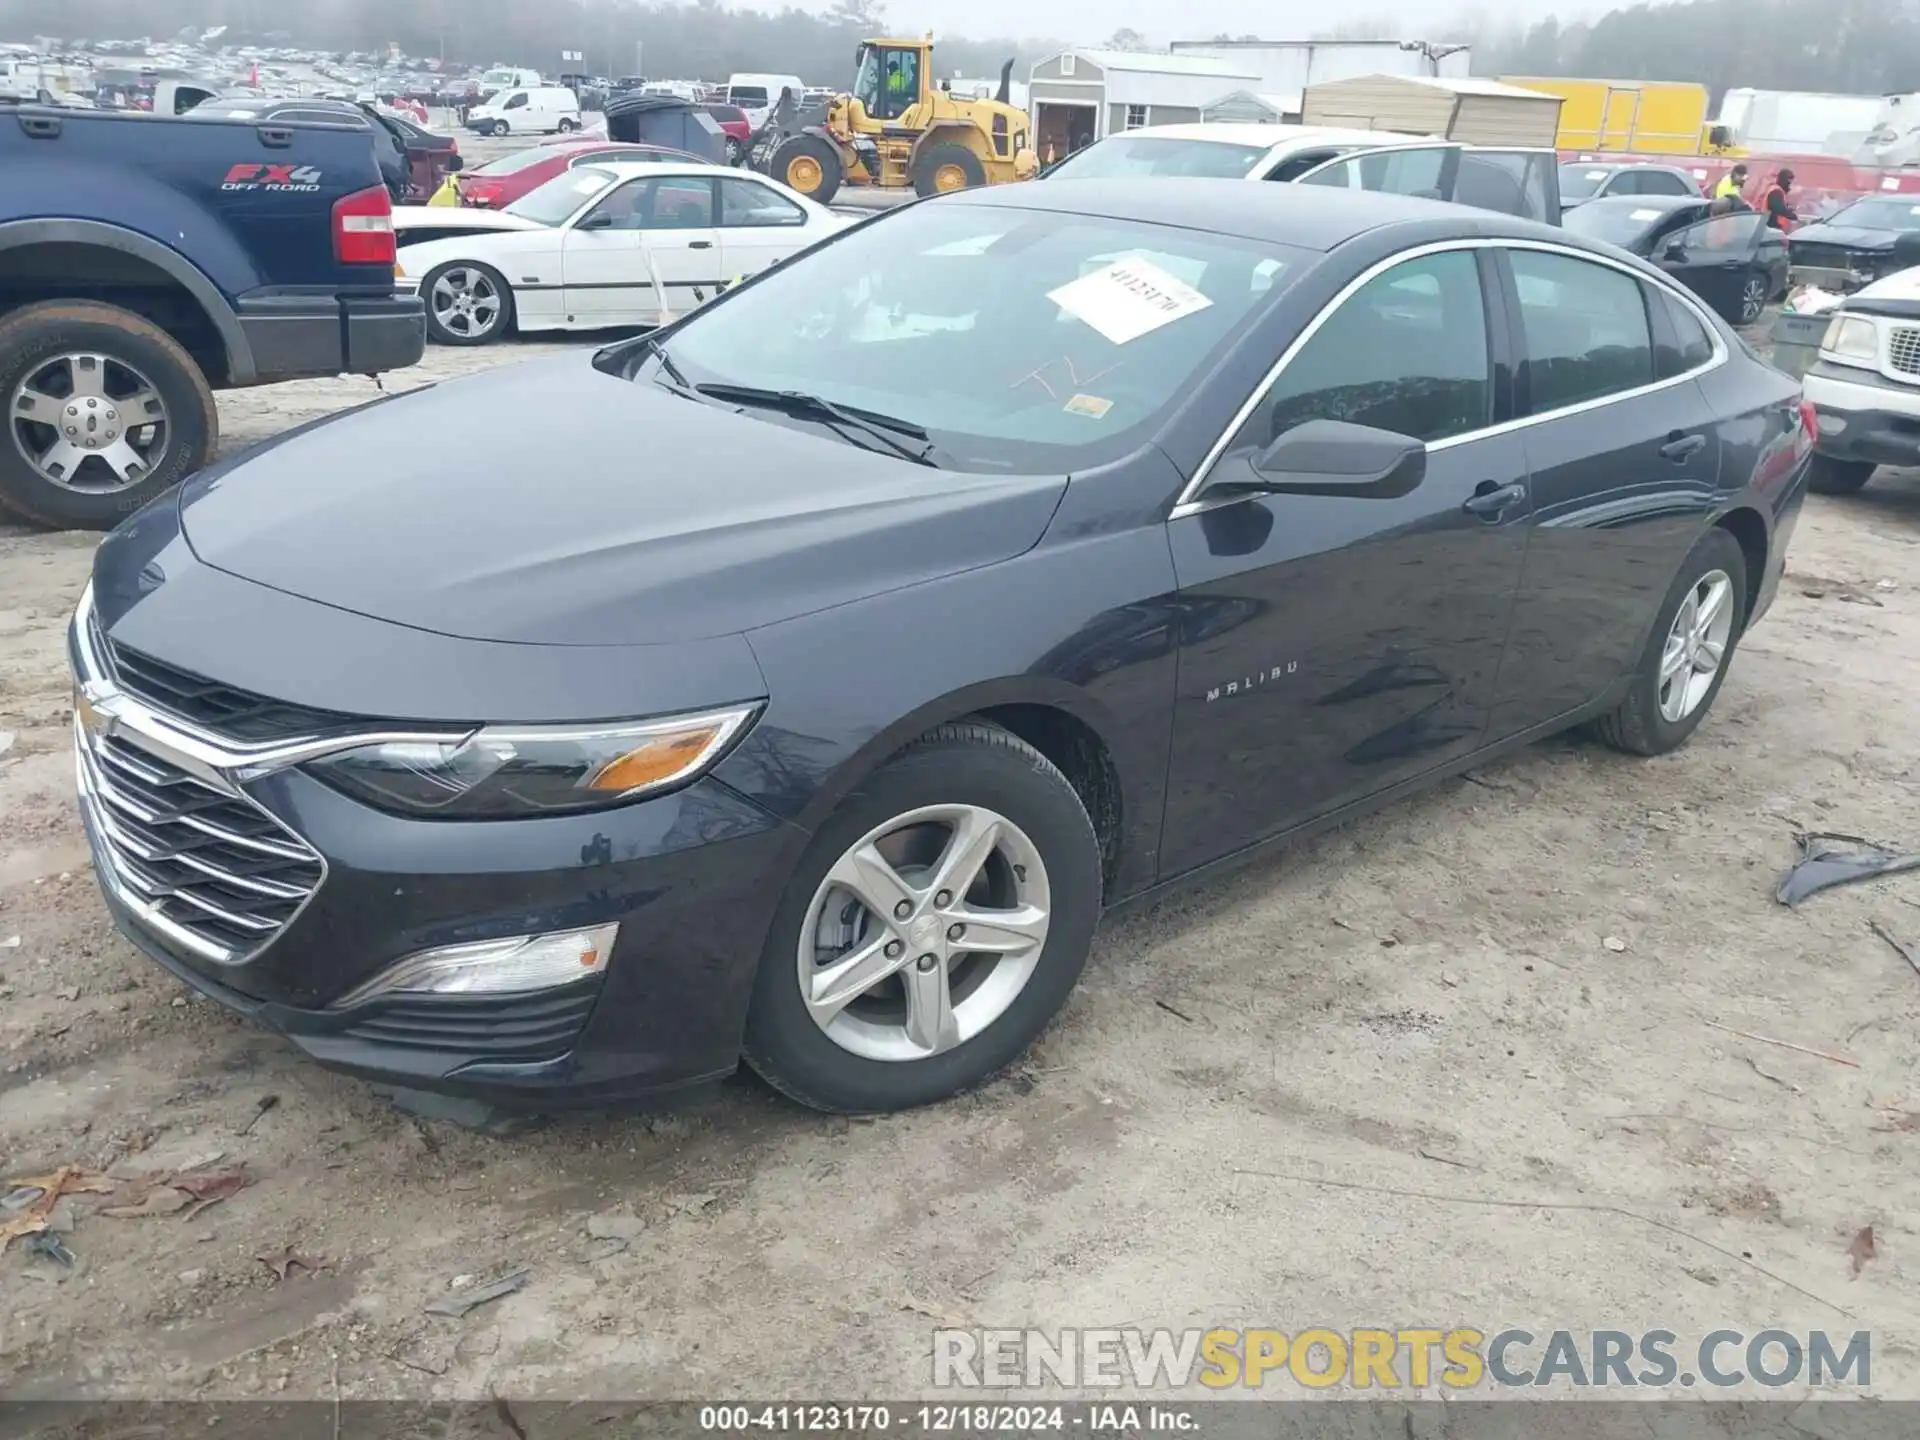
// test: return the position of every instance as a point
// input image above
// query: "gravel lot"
(1457, 1063)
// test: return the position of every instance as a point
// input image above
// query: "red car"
(732, 121)
(503, 181)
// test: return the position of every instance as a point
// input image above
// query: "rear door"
(1427, 170)
(1623, 459)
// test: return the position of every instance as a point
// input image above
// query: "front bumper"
(690, 876)
(1863, 415)
(298, 336)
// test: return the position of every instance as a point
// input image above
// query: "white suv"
(1865, 386)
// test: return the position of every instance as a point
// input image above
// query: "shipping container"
(1648, 117)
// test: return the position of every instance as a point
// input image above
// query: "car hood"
(1854, 237)
(551, 503)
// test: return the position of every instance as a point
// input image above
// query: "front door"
(1624, 466)
(1426, 170)
(1333, 646)
(1717, 260)
(649, 240)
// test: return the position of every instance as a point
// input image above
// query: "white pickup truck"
(1865, 386)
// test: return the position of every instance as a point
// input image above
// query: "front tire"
(933, 928)
(567, 127)
(467, 303)
(1688, 653)
(104, 412)
(1827, 476)
(810, 165)
(498, 129)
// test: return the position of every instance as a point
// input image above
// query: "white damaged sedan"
(626, 243)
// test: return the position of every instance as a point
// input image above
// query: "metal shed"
(1079, 96)
(1479, 112)
(1245, 107)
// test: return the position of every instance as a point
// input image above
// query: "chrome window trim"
(1188, 501)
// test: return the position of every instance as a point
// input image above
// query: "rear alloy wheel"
(1687, 655)
(104, 411)
(936, 925)
(467, 304)
(1827, 476)
(1753, 297)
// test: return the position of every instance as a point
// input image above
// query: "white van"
(757, 94)
(534, 110)
(507, 77)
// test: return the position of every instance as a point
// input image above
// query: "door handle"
(1680, 448)
(1490, 500)
(699, 245)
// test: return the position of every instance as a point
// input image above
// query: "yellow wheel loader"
(897, 129)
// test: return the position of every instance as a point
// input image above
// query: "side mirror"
(1674, 250)
(454, 162)
(1332, 457)
(599, 220)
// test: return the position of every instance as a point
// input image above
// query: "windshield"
(553, 202)
(753, 96)
(1577, 182)
(1879, 213)
(1020, 340)
(1618, 223)
(1124, 155)
(227, 112)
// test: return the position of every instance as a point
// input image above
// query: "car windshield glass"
(1018, 340)
(518, 160)
(1123, 155)
(560, 197)
(753, 95)
(1618, 222)
(1577, 182)
(1879, 213)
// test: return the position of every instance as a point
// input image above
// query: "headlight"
(505, 771)
(1851, 340)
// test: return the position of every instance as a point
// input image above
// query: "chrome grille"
(205, 867)
(1903, 349)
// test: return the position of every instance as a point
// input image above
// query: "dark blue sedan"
(803, 681)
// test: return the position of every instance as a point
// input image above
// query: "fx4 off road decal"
(295, 178)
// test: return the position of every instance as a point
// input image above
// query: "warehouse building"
(1079, 96)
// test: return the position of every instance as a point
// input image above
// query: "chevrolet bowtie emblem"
(93, 720)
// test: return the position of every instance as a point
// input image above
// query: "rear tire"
(1827, 476)
(810, 165)
(483, 324)
(875, 1064)
(34, 341)
(1645, 723)
(936, 163)
(1753, 296)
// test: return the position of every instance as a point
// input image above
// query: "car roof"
(1270, 137)
(1311, 217)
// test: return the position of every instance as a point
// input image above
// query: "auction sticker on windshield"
(1128, 299)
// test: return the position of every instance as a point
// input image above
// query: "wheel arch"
(105, 241)
(943, 132)
(1749, 527)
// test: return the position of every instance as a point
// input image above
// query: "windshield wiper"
(677, 382)
(897, 435)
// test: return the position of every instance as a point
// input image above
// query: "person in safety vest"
(1781, 215)
(1731, 184)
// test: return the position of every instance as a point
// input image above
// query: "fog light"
(513, 965)
(1831, 424)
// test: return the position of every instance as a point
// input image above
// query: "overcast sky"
(1088, 22)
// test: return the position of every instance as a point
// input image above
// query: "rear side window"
(1690, 346)
(1585, 326)
(1514, 182)
(1663, 182)
(1406, 352)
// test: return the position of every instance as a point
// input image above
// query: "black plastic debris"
(1827, 860)
(50, 1246)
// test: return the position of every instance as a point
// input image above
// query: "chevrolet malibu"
(802, 681)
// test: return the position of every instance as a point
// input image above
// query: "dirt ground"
(1461, 1062)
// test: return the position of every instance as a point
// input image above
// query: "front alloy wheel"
(89, 422)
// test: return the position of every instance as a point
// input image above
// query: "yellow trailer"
(1641, 117)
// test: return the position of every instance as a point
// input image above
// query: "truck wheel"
(810, 165)
(942, 168)
(567, 127)
(104, 412)
(467, 303)
(1828, 476)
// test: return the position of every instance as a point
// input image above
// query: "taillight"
(1809, 421)
(363, 228)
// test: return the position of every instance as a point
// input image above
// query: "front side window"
(1406, 352)
(744, 203)
(1022, 341)
(1724, 237)
(1585, 326)
(516, 101)
(1395, 172)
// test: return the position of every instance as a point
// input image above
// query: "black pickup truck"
(145, 263)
